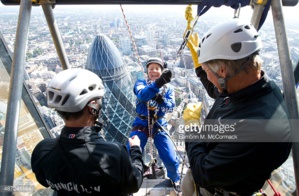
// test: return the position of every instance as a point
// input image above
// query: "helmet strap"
(95, 106)
(222, 81)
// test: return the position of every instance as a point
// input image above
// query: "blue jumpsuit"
(166, 149)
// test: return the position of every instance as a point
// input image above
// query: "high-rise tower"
(118, 110)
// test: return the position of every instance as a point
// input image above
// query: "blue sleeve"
(169, 100)
(145, 92)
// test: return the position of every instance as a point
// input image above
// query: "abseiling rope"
(151, 148)
(132, 39)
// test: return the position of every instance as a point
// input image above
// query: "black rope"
(296, 74)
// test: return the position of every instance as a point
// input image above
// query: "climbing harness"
(149, 131)
(151, 120)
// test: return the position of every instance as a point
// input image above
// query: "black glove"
(158, 98)
(164, 78)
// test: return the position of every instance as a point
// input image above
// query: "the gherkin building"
(118, 111)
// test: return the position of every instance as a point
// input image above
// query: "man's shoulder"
(46, 144)
(114, 145)
(41, 151)
(105, 149)
(43, 147)
(107, 145)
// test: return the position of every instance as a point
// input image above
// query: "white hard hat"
(71, 89)
(232, 40)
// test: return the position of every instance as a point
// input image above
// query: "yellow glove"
(193, 40)
(192, 113)
(188, 16)
(192, 44)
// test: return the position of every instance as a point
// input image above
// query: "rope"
(132, 39)
(187, 33)
(187, 81)
(184, 163)
(150, 132)
(274, 190)
(150, 129)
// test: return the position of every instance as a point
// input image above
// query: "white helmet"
(232, 40)
(72, 89)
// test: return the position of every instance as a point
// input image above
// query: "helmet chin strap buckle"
(95, 106)
(222, 82)
(99, 124)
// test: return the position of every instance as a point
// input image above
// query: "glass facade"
(118, 110)
(31, 128)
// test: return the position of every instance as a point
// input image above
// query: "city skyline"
(82, 30)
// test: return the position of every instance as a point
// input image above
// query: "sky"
(290, 12)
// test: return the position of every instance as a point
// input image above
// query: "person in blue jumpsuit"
(160, 99)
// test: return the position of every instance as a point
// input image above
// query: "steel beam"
(14, 100)
(47, 8)
(288, 80)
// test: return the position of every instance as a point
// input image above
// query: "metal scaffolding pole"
(288, 79)
(14, 99)
(47, 8)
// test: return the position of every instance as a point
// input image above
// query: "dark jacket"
(81, 162)
(209, 86)
(244, 165)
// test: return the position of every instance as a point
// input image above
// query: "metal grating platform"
(156, 187)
